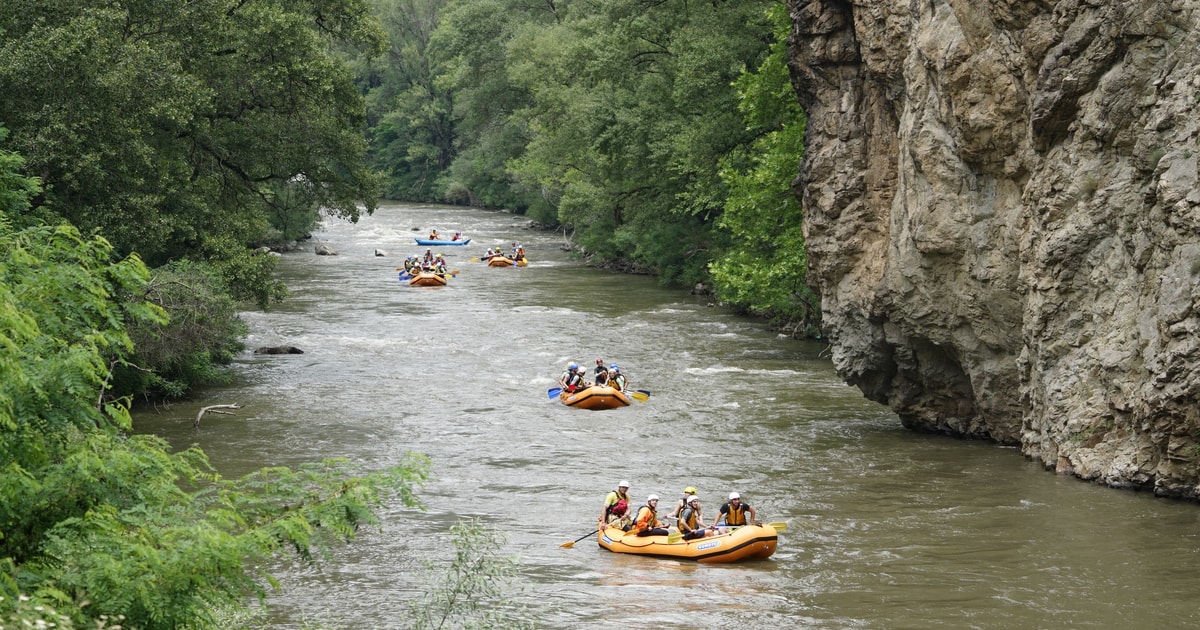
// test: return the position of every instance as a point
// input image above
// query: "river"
(886, 528)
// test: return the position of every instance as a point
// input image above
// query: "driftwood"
(215, 409)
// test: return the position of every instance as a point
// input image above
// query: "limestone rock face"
(1003, 221)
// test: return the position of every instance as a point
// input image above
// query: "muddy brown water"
(886, 528)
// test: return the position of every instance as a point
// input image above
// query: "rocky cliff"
(1003, 221)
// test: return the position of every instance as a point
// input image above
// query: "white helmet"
(691, 498)
(653, 497)
(623, 484)
(734, 495)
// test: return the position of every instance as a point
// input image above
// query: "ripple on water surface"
(887, 529)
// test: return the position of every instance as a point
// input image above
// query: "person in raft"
(682, 502)
(571, 380)
(616, 507)
(433, 235)
(691, 524)
(734, 512)
(601, 373)
(457, 236)
(616, 379)
(646, 523)
(583, 382)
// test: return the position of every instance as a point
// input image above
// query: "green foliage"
(163, 124)
(15, 189)
(764, 268)
(204, 333)
(25, 613)
(614, 119)
(439, 103)
(97, 524)
(247, 275)
(476, 587)
(63, 309)
(629, 120)
(411, 133)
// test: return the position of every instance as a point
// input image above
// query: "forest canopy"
(659, 136)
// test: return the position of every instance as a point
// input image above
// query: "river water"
(886, 528)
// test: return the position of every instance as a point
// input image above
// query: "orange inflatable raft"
(505, 261)
(427, 279)
(751, 542)
(596, 397)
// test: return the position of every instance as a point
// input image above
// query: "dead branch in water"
(215, 409)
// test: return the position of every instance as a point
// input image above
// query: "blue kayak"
(425, 241)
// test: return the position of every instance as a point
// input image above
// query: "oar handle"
(568, 545)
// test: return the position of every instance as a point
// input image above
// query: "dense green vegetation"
(95, 522)
(175, 127)
(179, 133)
(660, 135)
(188, 130)
(148, 148)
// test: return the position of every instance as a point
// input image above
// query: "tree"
(764, 269)
(169, 126)
(97, 523)
(633, 108)
(15, 189)
(411, 127)
(203, 335)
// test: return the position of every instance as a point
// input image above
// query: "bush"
(204, 333)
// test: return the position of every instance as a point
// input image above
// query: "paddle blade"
(568, 544)
(778, 526)
(638, 396)
(473, 260)
(674, 537)
(553, 392)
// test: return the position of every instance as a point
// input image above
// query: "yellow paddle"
(778, 526)
(568, 545)
(639, 395)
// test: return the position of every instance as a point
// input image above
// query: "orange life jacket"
(646, 519)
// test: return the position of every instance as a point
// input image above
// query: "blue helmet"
(614, 367)
(572, 366)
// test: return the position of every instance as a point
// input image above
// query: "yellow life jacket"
(688, 520)
(736, 514)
